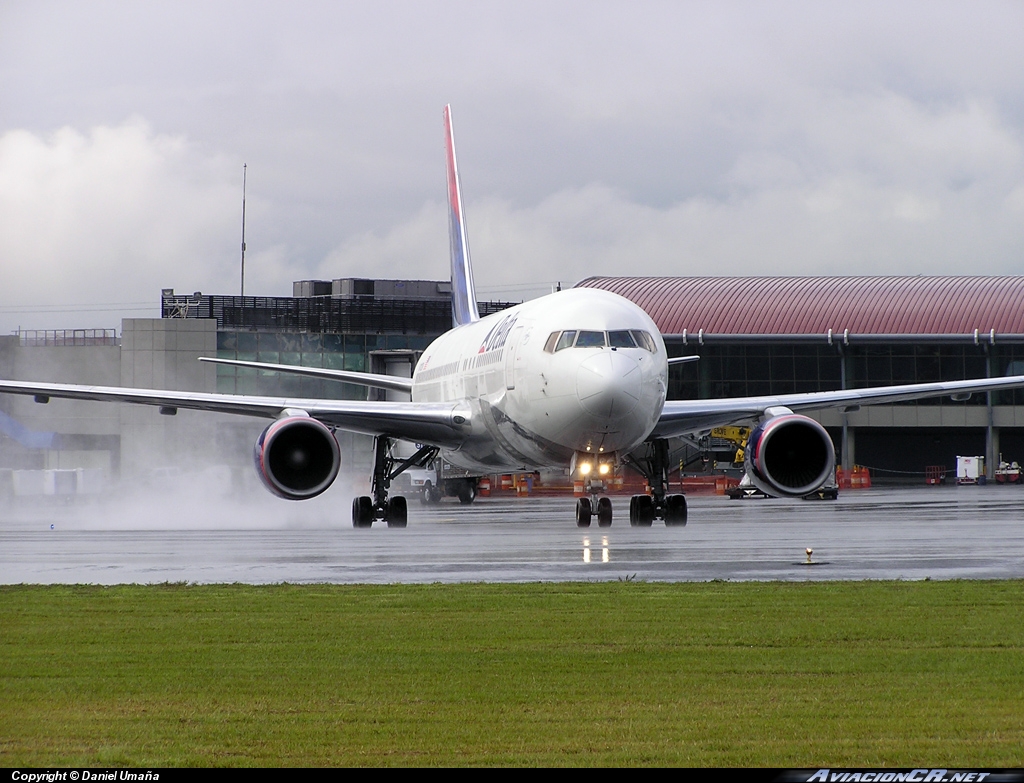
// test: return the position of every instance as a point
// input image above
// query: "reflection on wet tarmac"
(604, 549)
(941, 533)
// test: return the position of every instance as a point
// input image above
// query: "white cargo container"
(970, 470)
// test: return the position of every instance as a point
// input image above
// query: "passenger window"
(621, 339)
(565, 340)
(644, 340)
(549, 346)
(590, 340)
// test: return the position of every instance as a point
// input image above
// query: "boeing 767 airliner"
(576, 379)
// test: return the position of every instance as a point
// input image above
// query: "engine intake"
(297, 457)
(789, 456)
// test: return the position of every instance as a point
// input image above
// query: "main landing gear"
(394, 510)
(644, 509)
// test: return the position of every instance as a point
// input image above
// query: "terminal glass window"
(740, 370)
(751, 370)
(1008, 360)
(333, 351)
(902, 363)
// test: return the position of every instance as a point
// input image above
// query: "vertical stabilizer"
(463, 291)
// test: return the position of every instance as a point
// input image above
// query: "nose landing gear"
(393, 510)
(591, 505)
(586, 508)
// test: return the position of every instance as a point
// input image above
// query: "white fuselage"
(529, 405)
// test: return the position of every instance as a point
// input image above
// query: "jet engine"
(297, 457)
(789, 456)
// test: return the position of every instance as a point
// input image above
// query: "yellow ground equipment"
(734, 436)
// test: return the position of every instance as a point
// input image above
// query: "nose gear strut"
(590, 504)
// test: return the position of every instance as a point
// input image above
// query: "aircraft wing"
(390, 382)
(687, 417)
(439, 424)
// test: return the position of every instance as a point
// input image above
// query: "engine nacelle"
(297, 457)
(789, 456)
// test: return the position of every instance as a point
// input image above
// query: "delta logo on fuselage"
(496, 338)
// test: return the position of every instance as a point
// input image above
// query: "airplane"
(575, 379)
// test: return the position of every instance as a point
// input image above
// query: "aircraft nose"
(609, 384)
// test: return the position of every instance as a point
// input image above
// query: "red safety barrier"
(860, 478)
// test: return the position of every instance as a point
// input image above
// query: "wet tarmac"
(937, 533)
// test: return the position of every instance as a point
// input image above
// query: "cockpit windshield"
(590, 340)
(644, 340)
(621, 338)
(566, 340)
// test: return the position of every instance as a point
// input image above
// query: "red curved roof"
(813, 305)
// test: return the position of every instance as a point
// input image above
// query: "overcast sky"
(593, 138)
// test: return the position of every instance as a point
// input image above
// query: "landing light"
(604, 468)
(585, 468)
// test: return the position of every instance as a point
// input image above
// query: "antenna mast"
(243, 229)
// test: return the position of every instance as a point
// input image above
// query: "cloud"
(110, 216)
(877, 185)
(869, 183)
(416, 248)
(696, 138)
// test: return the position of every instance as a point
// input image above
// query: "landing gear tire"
(604, 512)
(675, 510)
(641, 510)
(583, 512)
(398, 512)
(362, 512)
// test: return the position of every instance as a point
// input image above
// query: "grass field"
(726, 674)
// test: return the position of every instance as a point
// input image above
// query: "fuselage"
(577, 371)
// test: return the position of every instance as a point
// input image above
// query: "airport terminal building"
(754, 336)
(782, 335)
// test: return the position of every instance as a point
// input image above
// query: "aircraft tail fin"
(464, 308)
